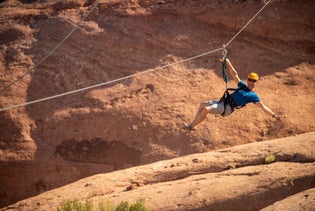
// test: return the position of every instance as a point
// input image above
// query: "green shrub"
(102, 206)
(66, 206)
(270, 159)
(76, 206)
(123, 206)
(138, 206)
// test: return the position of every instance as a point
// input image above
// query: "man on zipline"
(225, 106)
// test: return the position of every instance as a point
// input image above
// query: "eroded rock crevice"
(96, 150)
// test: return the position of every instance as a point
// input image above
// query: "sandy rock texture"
(153, 61)
(236, 178)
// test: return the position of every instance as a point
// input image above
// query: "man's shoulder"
(241, 85)
(254, 96)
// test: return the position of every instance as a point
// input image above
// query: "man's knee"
(203, 105)
(206, 109)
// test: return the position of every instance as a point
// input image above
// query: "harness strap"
(228, 100)
(225, 77)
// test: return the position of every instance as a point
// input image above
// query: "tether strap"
(225, 77)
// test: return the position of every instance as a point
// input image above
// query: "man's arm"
(233, 72)
(267, 110)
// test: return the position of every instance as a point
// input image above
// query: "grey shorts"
(217, 107)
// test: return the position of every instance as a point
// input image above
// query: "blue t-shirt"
(243, 95)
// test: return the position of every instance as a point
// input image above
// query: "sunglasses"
(251, 80)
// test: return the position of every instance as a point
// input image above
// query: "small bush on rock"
(88, 206)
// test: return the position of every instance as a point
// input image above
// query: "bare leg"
(201, 113)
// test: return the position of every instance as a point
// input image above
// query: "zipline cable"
(247, 23)
(49, 54)
(137, 74)
(108, 82)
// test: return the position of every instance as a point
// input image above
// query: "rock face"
(54, 47)
(236, 178)
(301, 201)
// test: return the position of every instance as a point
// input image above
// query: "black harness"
(228, 100)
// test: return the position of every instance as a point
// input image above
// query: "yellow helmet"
(253, 76)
